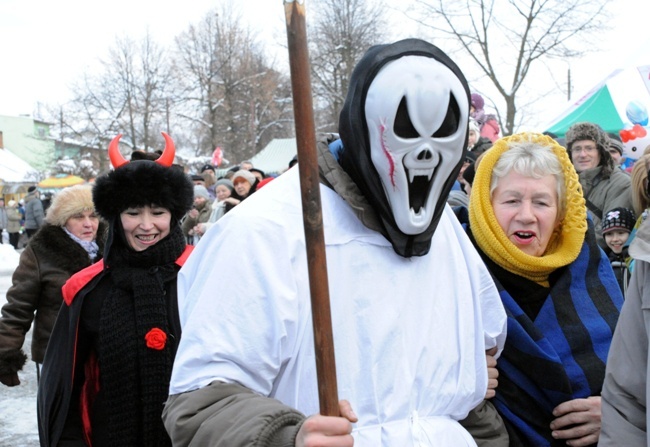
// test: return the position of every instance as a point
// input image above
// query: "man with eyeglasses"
(604, 186)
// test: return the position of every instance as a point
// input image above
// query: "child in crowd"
(617, 225)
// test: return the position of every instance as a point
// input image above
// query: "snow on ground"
(18, 426)
(8, 260)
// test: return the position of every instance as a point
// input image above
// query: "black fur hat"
(142, 183)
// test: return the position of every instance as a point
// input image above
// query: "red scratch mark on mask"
(389, 156)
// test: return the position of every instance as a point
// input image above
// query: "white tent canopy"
(13, 169)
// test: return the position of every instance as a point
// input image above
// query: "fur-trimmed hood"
(593, 132)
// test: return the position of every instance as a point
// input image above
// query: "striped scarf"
(560, 353)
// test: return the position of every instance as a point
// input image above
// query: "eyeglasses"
(590, 148)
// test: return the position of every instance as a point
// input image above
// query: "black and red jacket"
(70, 378)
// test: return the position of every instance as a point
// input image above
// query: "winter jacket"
(34, 213)
(75, 369)
(604, 194)
(625, 392)
(3, 217)
(189, 222)
(49, 259)
(490, 129)
(621, 271)
(13, 220)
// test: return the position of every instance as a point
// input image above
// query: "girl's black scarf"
(135, 377)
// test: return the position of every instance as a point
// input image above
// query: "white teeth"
(146, 238)
(415, 172)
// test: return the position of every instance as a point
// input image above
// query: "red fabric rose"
(156, 339)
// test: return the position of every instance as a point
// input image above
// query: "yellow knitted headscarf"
(566, 242)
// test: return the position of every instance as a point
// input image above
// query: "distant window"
(40, 132)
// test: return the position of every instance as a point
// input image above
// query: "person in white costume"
(413, 307)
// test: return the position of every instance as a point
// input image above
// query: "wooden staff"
(311, 206)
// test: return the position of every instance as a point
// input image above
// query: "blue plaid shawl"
(560, 354)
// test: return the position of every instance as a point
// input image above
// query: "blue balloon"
(637, 113)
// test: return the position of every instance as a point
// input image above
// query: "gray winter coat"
(625, 391)
(3, 218)
(33, 212)
(604, 194)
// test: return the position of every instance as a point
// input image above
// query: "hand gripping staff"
(311, 206)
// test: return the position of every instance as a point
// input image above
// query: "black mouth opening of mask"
(419, 190)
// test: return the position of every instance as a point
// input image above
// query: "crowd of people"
(484, 289)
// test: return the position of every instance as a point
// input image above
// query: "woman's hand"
(493, 372)
(199, 229)
(577, 421)
(328, 431)
(232, 201)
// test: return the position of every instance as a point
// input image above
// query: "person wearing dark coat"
(70, 240)
(106, 371)
(33, 211)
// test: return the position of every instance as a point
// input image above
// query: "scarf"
(91, 247)
(560, 353)
(135, 358)
(566, 241)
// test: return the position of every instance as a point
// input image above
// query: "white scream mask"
(417, 113)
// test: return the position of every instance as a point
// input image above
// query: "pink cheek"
(389, 157)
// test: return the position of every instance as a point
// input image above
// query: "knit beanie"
(68, 202)
(226, 182)
(473, 126)
(566, 242)
(477, 101)
(201, 191)
(619, 219)
(615, 143)
(246, 175)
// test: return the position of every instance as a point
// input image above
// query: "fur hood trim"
(593, 132)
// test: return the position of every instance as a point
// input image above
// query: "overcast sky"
(45, 45)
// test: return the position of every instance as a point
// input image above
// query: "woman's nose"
(146, 221)
(526, 212)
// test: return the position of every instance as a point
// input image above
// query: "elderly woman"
(67, 243)
(106, 371)
(528, 220)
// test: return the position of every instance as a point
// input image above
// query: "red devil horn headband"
(166, 159)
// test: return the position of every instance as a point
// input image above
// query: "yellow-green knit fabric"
(566, 242)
